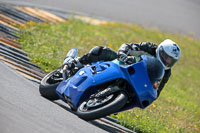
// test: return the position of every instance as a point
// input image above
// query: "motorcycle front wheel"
(49, 84)
(97, 108)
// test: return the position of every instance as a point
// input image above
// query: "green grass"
(178, 107)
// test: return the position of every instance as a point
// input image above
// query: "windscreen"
(154, 68)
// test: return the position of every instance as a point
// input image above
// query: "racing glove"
(126, 59)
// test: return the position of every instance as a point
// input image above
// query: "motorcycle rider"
(167, 52)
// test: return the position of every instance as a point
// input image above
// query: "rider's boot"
(74, 63)
(70, 67)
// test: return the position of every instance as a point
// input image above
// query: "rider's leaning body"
(168, 53)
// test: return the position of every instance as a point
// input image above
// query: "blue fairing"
(103, 72)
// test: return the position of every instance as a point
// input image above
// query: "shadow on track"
(96, 123)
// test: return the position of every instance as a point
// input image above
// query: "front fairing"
(140, 82)
(146, 93)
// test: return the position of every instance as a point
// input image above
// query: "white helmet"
(168, 53)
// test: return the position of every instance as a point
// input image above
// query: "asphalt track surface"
(23, 110)
(176, 16)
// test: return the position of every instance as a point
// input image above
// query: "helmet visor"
(167, 60)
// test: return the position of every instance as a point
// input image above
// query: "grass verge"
(178, 107)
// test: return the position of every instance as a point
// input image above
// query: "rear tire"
(48, 87)
(112, 106)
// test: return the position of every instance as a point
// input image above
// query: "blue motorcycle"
(104, 88)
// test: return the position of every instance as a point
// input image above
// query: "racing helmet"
(168, 53)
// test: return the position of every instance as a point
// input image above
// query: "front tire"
(111, 106)
(48, 85)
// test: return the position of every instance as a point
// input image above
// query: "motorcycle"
(104, 88)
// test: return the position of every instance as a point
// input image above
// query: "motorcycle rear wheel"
(111, 106)
(49, 84)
